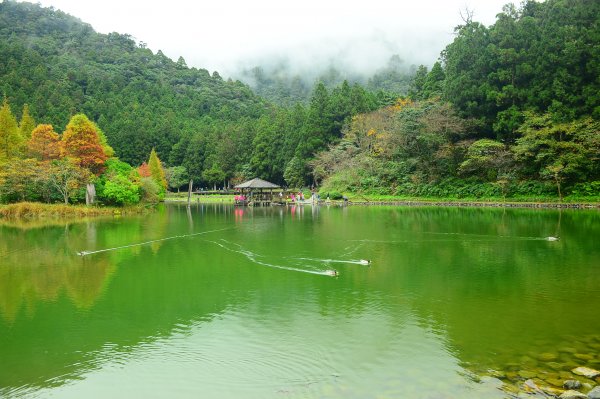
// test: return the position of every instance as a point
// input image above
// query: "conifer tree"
(81, 142)
(156, 169)
(27, 123)
(10, 139)
(44, 143)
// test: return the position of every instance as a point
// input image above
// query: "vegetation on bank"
(39, 210)
(38, 164)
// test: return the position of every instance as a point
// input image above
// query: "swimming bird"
(332, 272)
(364, 262)
(552, 238)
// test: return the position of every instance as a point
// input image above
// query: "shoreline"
(483, 204)
(425, 202)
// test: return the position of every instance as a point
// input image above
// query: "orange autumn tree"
(144, 170)
(44, 143)
(81, 142)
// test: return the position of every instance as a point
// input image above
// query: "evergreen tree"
(11, 140)
(27, 123)
(156, 170)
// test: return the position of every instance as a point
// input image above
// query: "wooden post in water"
(190, 192)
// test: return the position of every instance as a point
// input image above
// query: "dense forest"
(509, 110)
(280, 84)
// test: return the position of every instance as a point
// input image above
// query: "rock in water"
(572, 395)
(594, 393)
(547, 357)
(586, 372)
(572, 384)
(530, 386)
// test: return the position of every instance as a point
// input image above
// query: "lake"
(223, 302)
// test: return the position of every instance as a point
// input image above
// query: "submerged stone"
(584, 356)
(526, 374)
(511, 375)
(530, 386)
(552, 391)
(547, 356)
(554, 365)
(555, 382)
(567, 350)
(572, 384)
(586, 372)
(498, 374)
(594, 393)
(570, 394)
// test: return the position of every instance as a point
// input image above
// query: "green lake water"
(218, 302)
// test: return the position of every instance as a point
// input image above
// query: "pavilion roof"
(257, 183)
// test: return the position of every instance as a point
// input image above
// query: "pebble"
(547, 357)
(584, 356)
(594, 393)
(586, 372)
(554, 365)
(530, 386)
(567, 350)
(572, 395)
(526, 374)
(572, 384)
(555, 382)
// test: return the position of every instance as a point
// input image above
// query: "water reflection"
(451, 294)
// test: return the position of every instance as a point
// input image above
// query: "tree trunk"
(558, 188)
(90, 194)
(190, 191)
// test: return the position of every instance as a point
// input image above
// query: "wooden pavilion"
(255, 192)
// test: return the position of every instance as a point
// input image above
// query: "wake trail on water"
(477, 238)
(85, 253)
(251, 256)
(349, 261)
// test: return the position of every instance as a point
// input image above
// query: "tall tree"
(11, 140)
(81, 142)
(44, 143)
(156, 170)
(27, 123)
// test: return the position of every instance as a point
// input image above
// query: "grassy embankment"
(40, 210)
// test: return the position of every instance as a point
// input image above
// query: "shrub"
(150, 190)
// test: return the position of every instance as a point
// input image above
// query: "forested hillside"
(277, 82)
(218, 130)
(60, 66)
(510, 110)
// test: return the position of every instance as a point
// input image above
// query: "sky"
(226, 35)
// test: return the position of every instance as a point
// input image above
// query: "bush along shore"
(39, 210)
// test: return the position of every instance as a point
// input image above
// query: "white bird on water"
(365, 262)
(552, 238)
